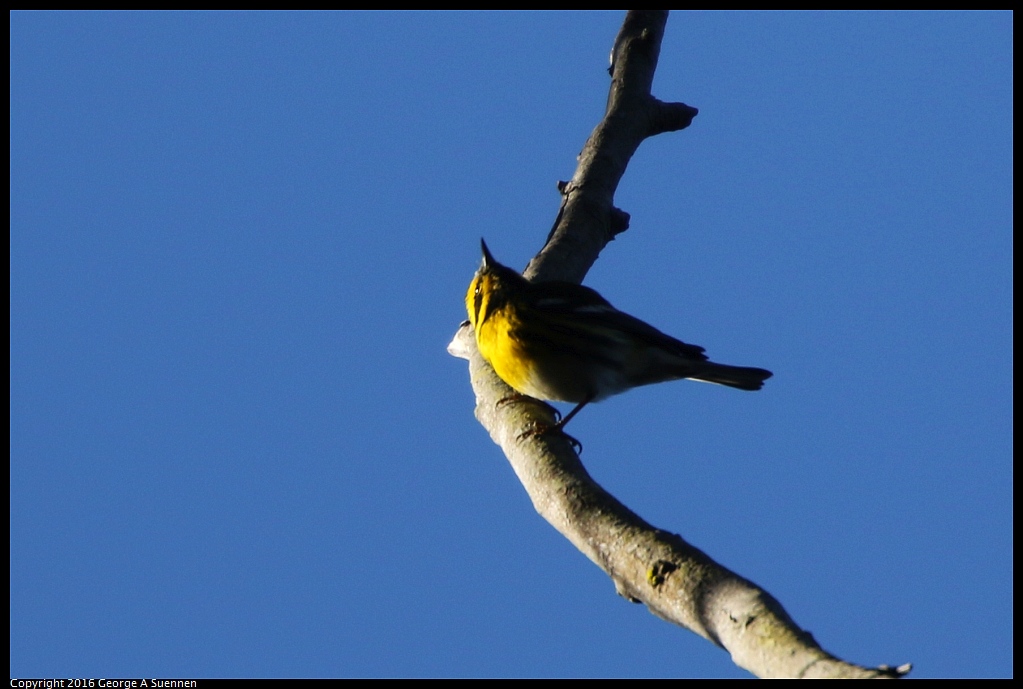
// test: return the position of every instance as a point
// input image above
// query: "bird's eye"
(477, 300)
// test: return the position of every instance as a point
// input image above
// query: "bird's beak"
(488, 260)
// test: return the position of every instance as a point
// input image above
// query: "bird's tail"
(740, 377)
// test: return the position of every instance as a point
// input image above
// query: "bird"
(562, 342)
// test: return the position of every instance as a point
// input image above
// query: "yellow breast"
(506, 354)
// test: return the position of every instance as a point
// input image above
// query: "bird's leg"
(560, 426)
(578, 408)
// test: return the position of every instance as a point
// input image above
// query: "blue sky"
(240, 244)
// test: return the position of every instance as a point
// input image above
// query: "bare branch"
(675, 580)
(586, 222)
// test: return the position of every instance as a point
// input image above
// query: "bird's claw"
(519, 397)
(542, 429)
(556, 428)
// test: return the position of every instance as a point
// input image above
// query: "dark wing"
(593, 310)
